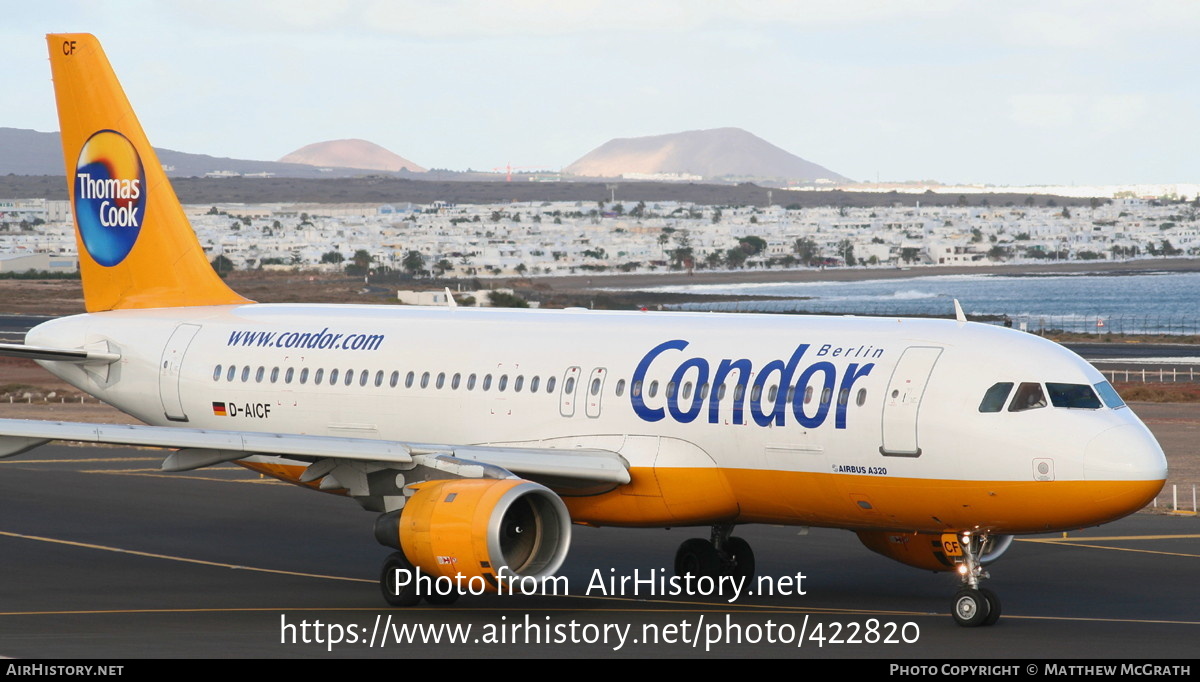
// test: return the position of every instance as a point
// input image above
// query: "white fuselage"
(890, 436)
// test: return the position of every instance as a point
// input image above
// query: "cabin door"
(171, 368)
(902, 402)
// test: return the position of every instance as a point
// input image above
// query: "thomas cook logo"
(110, 196)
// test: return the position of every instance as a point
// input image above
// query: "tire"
(741, 558)
(970, 608)
(402, 596)
(697, 557)
(993, 606)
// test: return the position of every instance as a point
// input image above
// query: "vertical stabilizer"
(136, 247)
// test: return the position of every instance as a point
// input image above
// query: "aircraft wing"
(196, 448)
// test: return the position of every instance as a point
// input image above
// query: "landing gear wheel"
(741, 558)
(442, 599)
(697, 557)
(993, 606)
(971, 608)
(393, 593)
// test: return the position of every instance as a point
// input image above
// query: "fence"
(1161, 375)
(1175, 503)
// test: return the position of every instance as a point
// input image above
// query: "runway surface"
(102, 555)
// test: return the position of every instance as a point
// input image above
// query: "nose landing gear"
(974, 605)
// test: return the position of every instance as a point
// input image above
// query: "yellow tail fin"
(136, 247)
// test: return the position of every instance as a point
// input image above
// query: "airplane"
(480, 436)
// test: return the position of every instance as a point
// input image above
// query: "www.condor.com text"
(702, 632)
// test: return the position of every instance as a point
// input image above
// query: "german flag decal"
(219, 410)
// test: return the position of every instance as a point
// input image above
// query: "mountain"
(28, 152)
(716, 153)
(351, 154)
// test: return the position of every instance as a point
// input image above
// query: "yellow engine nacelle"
(930, 552)
(480, 527)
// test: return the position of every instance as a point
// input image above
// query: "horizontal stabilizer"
(17, 350)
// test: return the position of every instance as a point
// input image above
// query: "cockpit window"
(1109, 395)
(1073, 395)
(993, 400)
(1029, 396)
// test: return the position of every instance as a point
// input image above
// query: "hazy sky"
(1014, 92)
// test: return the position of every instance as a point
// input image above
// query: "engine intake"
(480, 527)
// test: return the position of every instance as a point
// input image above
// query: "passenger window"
(620, 388)
(569, 387)
(772, 393)
(503, 384)
(487, 382)
(595, 386)
(720, 392)
(319, 376)
(362, 377)
(518, 383)
(533, 384)
(687, 390)
(229, 374)
(826, 394)
(739, 392)
(333, 376)
(550, 384)
(441, 380)
(274, 374)
(217, 373)
(843, 396)
(702, 392)
(246, 374)
(1029, 396)
(394, 379)
(994, 399)
(636, 389)
(808, 391)
(653, 391)
(1080, 396)
(862, 397)
(670, 389)
(408, 379)
(304, 376)
(791, 394)
(349, 377)
(425, 380)
(454, 381)
(471, 383)
(756, 392)
(378, 378)
(287, 376)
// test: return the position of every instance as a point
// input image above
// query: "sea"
(1113, 303)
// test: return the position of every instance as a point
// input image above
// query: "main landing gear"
(721, 555)
(974, 605)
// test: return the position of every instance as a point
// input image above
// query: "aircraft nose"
(1124, 453)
